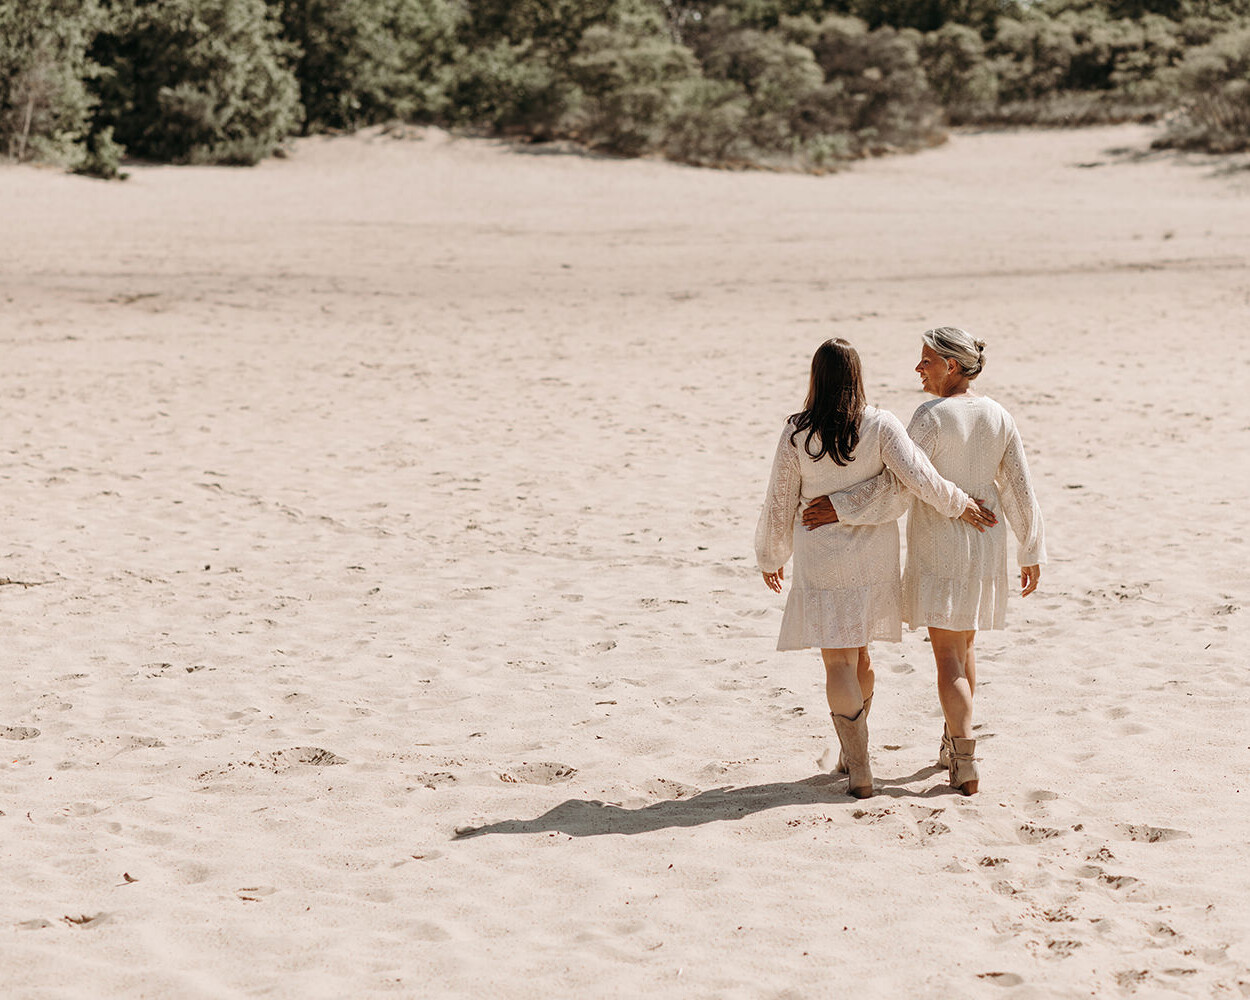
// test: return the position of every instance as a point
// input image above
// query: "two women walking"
(843, 473)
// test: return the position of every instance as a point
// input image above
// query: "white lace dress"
(844, 587)
(956, 577)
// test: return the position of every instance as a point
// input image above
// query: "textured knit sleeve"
(878, 500)
(774, 535)
(1019, 503)
(908, 459)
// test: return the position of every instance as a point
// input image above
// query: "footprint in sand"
(538, 774)
(1031, 833)
(433, 779)
(314, 756)
(18, 732)
(83, 920)
(1151, 834)
(1001, 978)
(664, 788)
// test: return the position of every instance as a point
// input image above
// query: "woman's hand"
(978, 515)
(819, 511)
(1029, 575)
(773, 580)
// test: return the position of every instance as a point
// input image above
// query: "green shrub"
(101, 157)
(629, 79)
(930, 15)
(875, 91)
(954, 63)
(1031, 58)
(511, 88)
(44, 102)
(1215, 82)
(366, 61)
(196, 81)
(776, 75)
(552, 27)
(705, 127)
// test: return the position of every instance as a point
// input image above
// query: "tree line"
(795, 84)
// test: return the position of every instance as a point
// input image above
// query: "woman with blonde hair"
(956, 580)
(845, 586)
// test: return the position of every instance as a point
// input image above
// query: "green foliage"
(553, 27)
(366, 61)
(1215, 80)
(706, 126)
(630, 78)
(954, 62)
(510, 88)
(875, 92)
(44, 102)
(196, 81)
(930, 15)
(791, 83)
(101, 157)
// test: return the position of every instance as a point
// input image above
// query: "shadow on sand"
(591, 818)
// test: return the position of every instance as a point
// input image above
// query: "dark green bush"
(366, 61)
(196, 81)
(101, 157)
(510, 88)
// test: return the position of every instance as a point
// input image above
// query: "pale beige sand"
(402, 486)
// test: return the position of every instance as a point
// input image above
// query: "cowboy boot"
(963, 768)
(841, 765)
(853, 735)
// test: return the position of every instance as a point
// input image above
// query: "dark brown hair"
(835, 402)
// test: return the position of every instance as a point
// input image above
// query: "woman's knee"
(840, 660)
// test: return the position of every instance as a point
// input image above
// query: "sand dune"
(405, 487)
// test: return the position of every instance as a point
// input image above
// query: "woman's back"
(823, 476)
(966, 438)
(957, 578)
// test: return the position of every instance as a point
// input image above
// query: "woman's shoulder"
(995, 410)
(877, 418)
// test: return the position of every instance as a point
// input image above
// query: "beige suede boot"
(841, 766)
(944, 754)
(853, 735)
(964, 776)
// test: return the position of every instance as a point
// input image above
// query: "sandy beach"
(407, 486)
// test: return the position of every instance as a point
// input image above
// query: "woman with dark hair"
(956, 582)
(845, 586)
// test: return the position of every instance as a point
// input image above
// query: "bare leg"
(842, 685)
(951, 652)
(863, 669)
(970, 662)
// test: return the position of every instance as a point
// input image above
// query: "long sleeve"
(774, 535)
(1019, 503)
(878, 500)
(906, 454)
